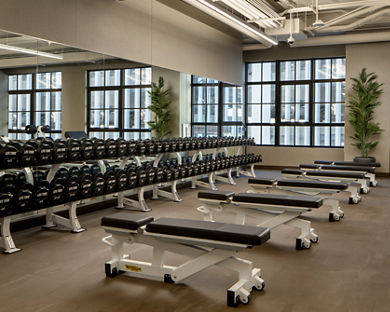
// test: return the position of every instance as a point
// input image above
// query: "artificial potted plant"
(362, 102)
(160, 102)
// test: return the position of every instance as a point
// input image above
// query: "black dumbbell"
(150, 175)
(98, 184)
(8, 155)
(159, 175)
(189, 169)
(99, 148)
(86, 185)
(141, 148)
(132, 147)
(111, 148)
(23, 198)
(122, 147)
(59, 151)
(25, 153)
(7, 198)
(87, 149)
(38, 175)
(74, 171)
(141, 176)
(132, 178)
(122, 180)
(110, 182)
(57, 191)
(41, 196)
(73, 149)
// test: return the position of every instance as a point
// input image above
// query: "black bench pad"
(336, 174)
(350, 168)
(125, 220)
(261, 181)
(279, 200)
(355, 163)
(323, 162)
(310, 166)
(313, 184)
(216, 231)
(293, 171)
(216, 195)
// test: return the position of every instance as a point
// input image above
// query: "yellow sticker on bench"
(133, 268)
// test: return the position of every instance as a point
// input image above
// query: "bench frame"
(369, 175)
(354, 185)
(271, 216)
(203, 253)
(335, 213)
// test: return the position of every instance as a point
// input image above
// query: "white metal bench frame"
(203, 253)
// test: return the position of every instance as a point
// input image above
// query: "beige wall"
(293, 156)
(376, 58)
(144, 31)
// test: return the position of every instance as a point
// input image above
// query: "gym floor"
(348, 270)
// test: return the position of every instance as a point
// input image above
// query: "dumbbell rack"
(72, 223)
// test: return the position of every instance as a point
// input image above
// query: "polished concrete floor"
(348, 270)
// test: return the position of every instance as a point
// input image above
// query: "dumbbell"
(141, 148)
(41, 196)
(141, 176)
(31, 129)
(150, 175)
(213, 165)
(159, 175)
(187, 144)
(99, 148)
(74, 171)
(25, 153)
(167, 174)
(73, 149)
(202, 167)
(207, 165)
(98, 187)
(121, 180)
(196, 168)
(86, 185)
(61, 173)
(132, 178)
(165, 146)
(182, 171)
(175, 173)
(24, 197)
(8, 155)
(59, 151)
(111, 148)
(122, 147)
(44, 148)
(180, 144)
(110, 182)
(132, 147)
(57, 191)
(149, 147)
(87, 149)
(189, 169)
(7, 195)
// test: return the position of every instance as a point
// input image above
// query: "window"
(261, 102)
(205, 107)
(217, 108)
(118, 101)
(296, 103)
(34, 99)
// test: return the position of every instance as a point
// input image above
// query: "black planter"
(365, 160)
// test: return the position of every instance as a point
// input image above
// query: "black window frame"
(311, 82)
(121, 88)
(33, 101)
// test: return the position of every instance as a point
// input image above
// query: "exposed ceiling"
(301, 21)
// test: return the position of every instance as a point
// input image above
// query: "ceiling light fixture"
(30, 51)
(237, 21)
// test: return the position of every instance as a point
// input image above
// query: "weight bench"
(206, 243)
(272, 210)
(368, 171)
(347, 163)
(321, 189)
(354, 179)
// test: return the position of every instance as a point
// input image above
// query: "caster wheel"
(342, 215)
(259, 287)
(110, 272)
(314, 240)
(299, 244)
(244, 300)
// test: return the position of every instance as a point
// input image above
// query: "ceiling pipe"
(356, 24)
(331, 40)
(344, 5)
(233, 21)
(347, 16)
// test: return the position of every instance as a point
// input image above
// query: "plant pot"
(365, 160)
